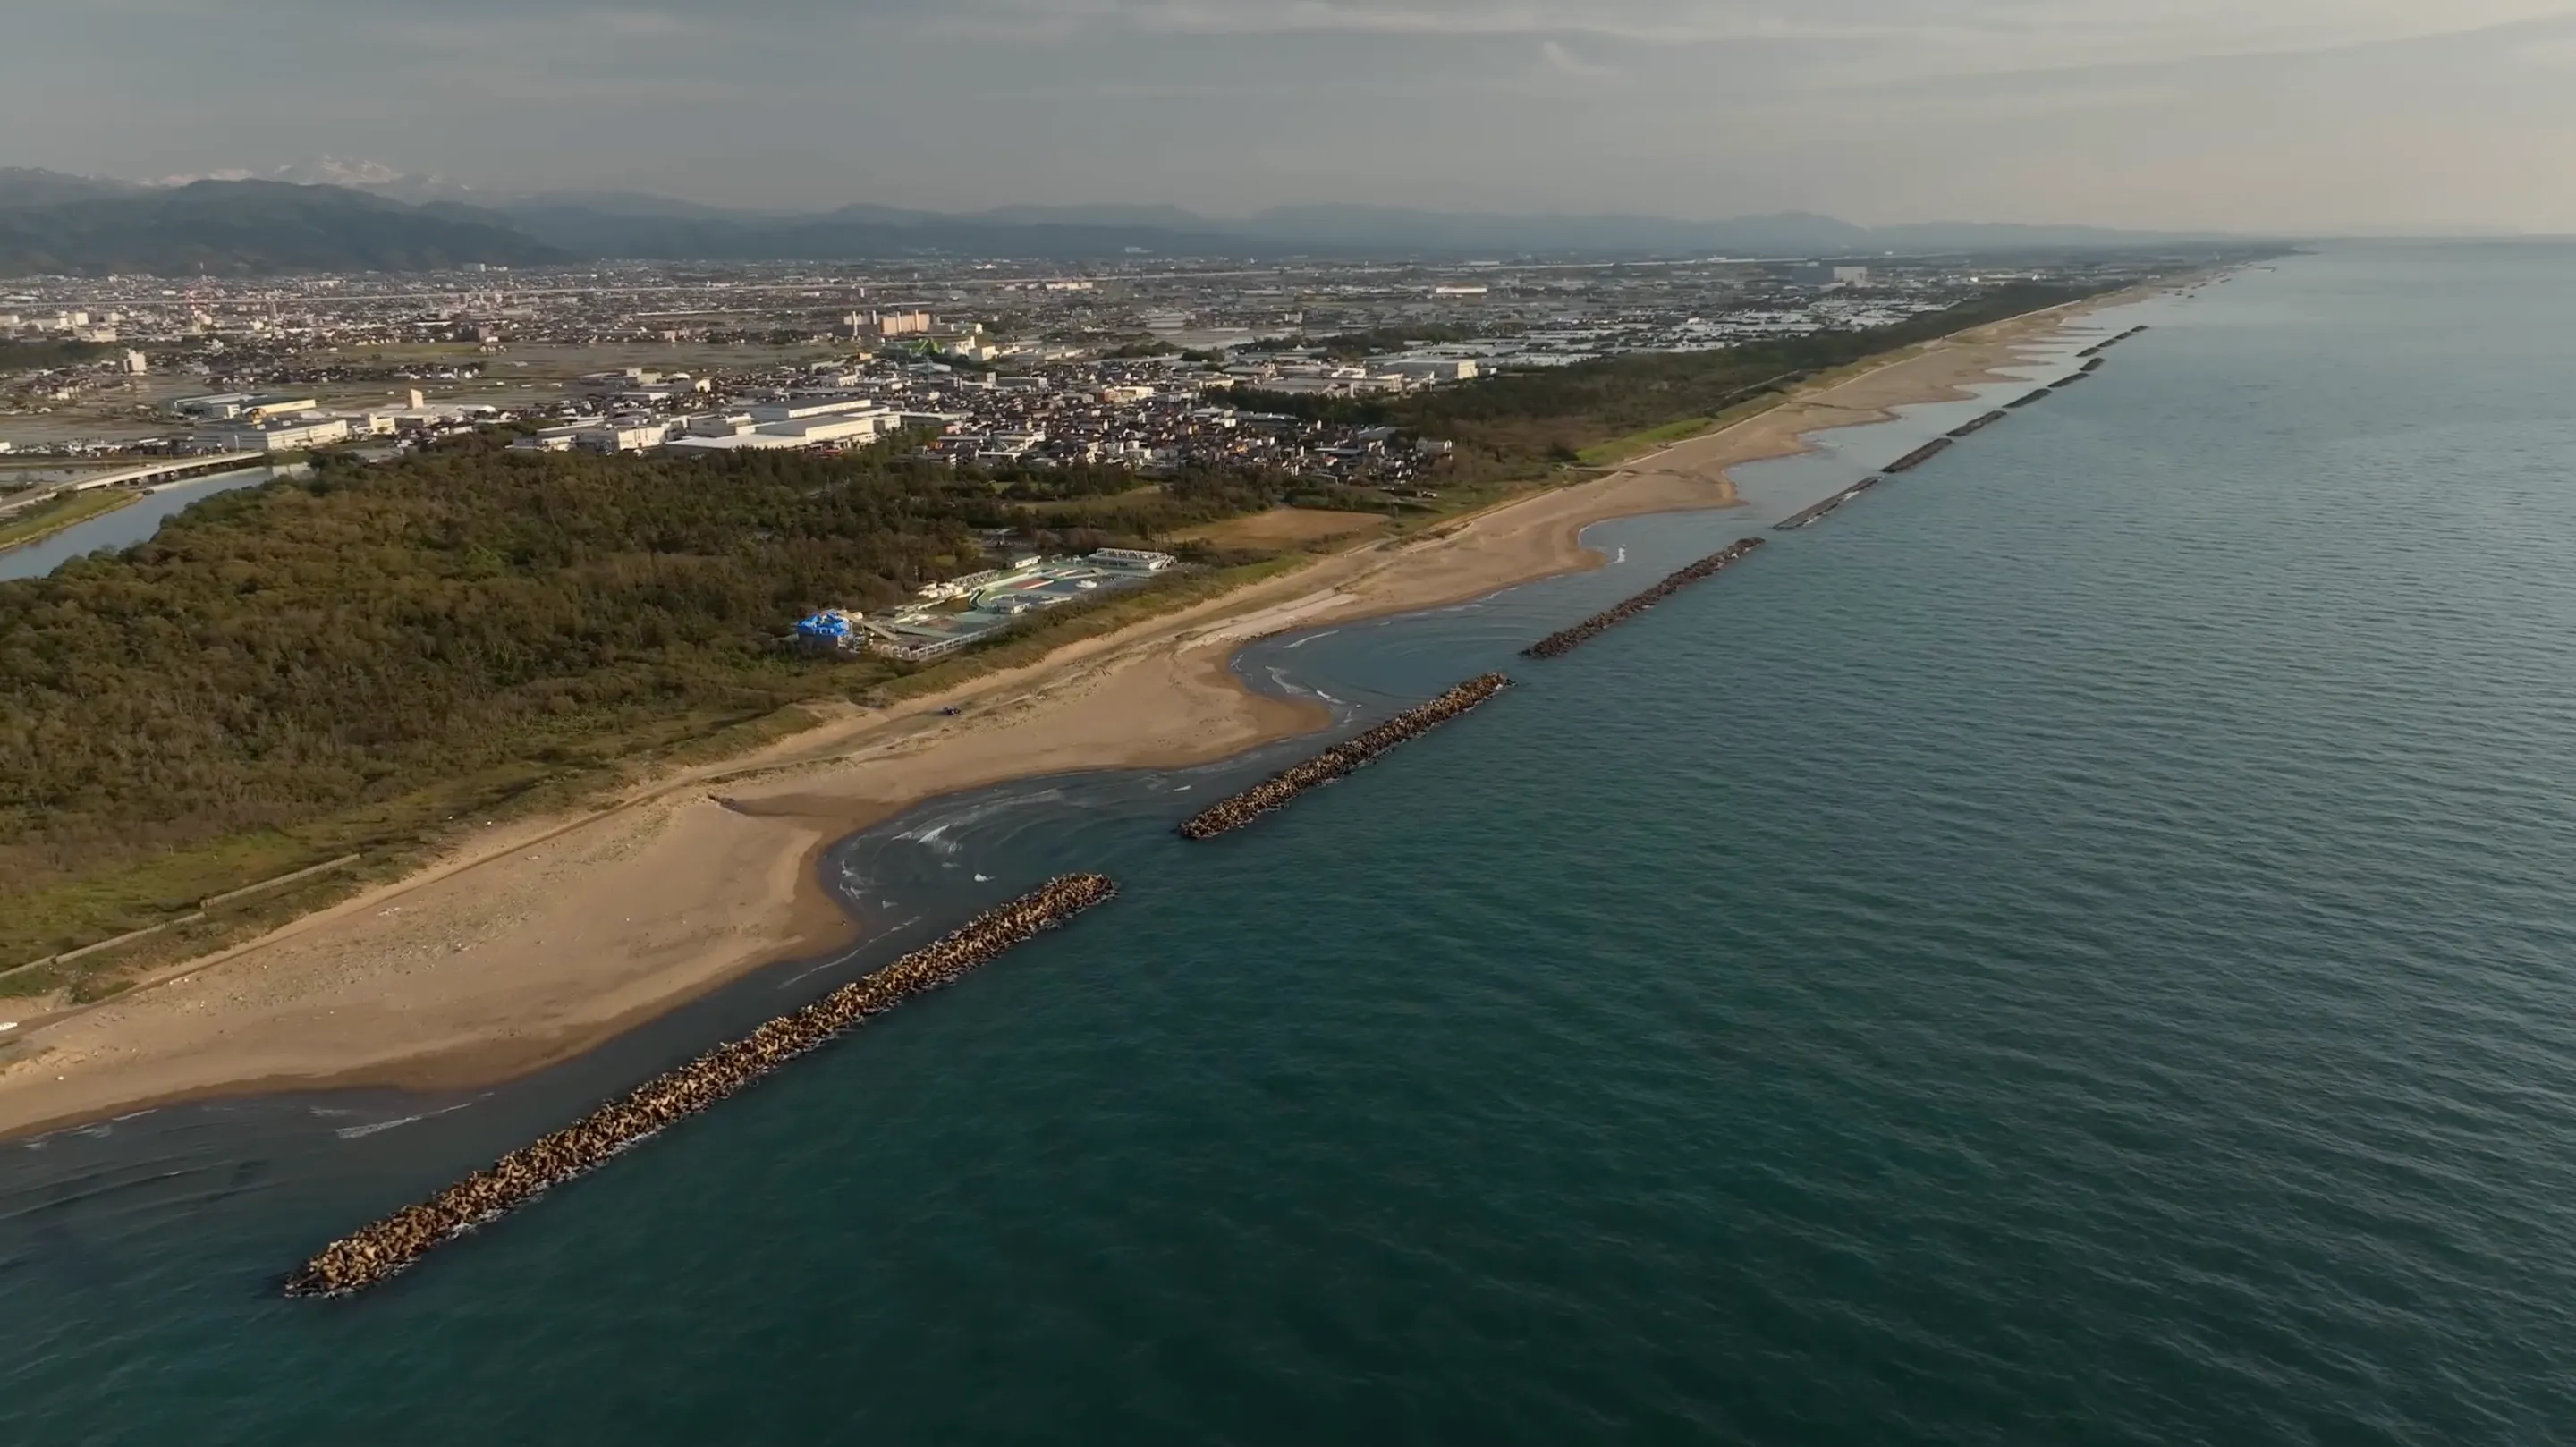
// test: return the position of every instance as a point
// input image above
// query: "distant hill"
(373, 177)
(27, 186)
(329, 214)
(627, 227)
(854, 233)
(1168, 218)
(251, 228)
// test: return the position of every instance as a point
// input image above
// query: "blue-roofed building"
(834, 630)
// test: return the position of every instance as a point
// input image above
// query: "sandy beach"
(536, 941)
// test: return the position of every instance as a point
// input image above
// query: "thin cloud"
(640, 24)
(1566, 63)
(2008, 34)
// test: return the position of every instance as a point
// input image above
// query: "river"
(128, 525)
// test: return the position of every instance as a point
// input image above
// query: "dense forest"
(278, 653)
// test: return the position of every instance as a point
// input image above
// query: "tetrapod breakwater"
(1814, 510)
(377, 1252)
(2109, 342)
(1919, 456)
(1568, 639)
(1929, 450)
(1277, 791)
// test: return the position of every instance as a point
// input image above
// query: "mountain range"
(334, 215)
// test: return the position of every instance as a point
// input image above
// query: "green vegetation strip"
(48, 518)
(1748, 402)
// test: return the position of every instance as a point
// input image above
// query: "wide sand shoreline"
(538, 941)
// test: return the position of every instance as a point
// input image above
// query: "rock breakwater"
(1919, 456)
(1814, 510)
(1567, 640)
(2093, 359)
(2109, 342)
(1341, 759)
(377, 1252)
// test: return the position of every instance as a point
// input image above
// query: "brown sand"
(1287, 527)
(540, 940)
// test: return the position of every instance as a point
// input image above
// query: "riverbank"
(61, 515)
(537, 941)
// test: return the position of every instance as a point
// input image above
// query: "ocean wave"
(361, 1132)
(887, 933)
(935, 836)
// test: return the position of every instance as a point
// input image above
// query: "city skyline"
(2323, 117)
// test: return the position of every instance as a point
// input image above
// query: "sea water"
(2075, 947)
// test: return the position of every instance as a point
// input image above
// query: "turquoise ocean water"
(2075, 948)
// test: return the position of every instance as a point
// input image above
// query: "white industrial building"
(787, 422)
(746, 434)
(291, 434)
(621, 435)
(625, 436)
(1432, 369)
(800, 408)
(245, 406)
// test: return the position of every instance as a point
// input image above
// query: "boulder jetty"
(1919, 456)
(1569, 639)
(1814, 510)
(376, 1253)
(1277, 791)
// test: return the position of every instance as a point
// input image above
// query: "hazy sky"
(2303, 115)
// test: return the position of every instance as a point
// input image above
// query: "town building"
(289, 434)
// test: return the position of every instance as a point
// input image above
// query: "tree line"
(1517, 418)
(278, 653)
